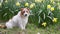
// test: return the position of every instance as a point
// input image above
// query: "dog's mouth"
(25, 15)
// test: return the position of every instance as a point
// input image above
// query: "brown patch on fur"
(3, 26)
(23, 11)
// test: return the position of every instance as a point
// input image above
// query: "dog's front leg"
(21, 26)
(24, 25)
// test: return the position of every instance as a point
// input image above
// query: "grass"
(31, 29)
(48, 30)
(52, 29)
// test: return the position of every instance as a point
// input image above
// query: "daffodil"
(6, 1)
(43, 0)
(17, 4)
(58, 3)
(38, 0)
(38, 33)
(52, 8)
(54, 20)
(52, 0)
(0, 4)
(32, 5)
(26, 4)
(44, 24)
(59, 6)
(48, 6)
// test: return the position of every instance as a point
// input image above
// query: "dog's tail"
(3, 26)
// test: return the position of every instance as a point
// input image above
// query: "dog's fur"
(20, 19)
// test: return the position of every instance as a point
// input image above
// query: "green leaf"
(39, 12)
(4, 14)
(44, 15)
(50, 17)
(39, 19)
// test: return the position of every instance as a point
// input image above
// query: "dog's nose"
(25, 14)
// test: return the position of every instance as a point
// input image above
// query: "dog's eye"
(27, 11)
(23, 11)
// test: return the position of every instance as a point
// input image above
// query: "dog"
(20, 20)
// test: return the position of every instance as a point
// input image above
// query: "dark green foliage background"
(40, 11)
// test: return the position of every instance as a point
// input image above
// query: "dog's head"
(25, 12)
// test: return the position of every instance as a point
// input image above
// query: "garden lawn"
(31, 30)
(52, 29)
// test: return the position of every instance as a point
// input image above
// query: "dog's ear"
(28, 9)
(21, 9)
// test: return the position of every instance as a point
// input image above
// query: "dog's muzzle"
(25, 14)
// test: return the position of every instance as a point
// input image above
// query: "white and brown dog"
(20, 19)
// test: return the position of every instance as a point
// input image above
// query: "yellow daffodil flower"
(38, 0)
(26, 4)
(54, 20)
(48, 6)
(52, 0)
(0, 4)
(32, 5)
(59, 6)
(52, 8)
(43, 0)
(44, 24)
(6, 1)
(17, 4)
(58, 3)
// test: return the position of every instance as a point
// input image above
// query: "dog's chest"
(24, 20)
